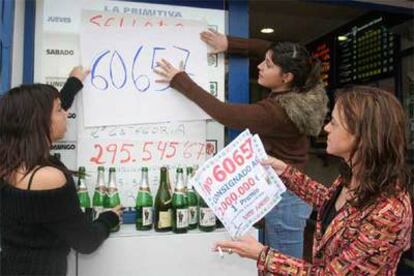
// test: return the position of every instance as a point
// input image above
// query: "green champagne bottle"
(84, 200)
(162, 206)
(100, 191)
(192, 201)
(207, 221)
(144, 203)
(169, 182)
(112, 199)
(179, 205)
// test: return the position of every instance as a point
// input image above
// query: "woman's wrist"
(285, 171)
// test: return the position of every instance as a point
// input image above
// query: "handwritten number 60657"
(118, 74)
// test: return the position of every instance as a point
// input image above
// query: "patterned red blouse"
(357, 242)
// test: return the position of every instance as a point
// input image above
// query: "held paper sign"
(236, 186)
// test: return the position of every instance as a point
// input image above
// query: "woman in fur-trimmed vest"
(294, 110)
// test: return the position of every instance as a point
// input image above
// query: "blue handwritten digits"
(94, 76)
(154, 64)
(185, 61)
(187, 52)
(141, 82)
(154, 61)
(118, 75)
(186, 58)
(124, 73)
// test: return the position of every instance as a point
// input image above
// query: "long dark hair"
(25, 121)
(377, 121)
(294, 58)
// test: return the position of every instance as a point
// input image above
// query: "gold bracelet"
(262, 258)
(266, 264)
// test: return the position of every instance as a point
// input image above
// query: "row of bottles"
(177, 211)
(105, 196)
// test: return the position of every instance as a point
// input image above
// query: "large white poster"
(57, 50)
(122, 52)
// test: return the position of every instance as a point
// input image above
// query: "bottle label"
(192, 215)
(146, 216)
(164, 219)
(207, 217)
(182, 218)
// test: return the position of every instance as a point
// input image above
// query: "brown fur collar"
(306, 110)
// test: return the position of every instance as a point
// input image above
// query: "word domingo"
(129, 153)
(231, 199)
(228, 165)
(116, 74)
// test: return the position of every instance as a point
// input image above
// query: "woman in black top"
(39, 208)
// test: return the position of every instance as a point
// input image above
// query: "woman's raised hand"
(217, 41)
(79, 72)
(278, 165)
(117, 210)
(167, 71)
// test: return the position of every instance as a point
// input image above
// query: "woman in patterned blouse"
(365, 218)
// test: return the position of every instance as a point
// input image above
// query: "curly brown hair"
(377, 120)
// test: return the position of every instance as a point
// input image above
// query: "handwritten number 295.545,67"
(116, 73)
(114, 153)
(113, 150)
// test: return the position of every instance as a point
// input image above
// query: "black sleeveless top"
(38, 228)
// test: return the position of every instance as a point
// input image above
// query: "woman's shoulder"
(48, 178)
(397, 208)
(51, 196)
(307, 110)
